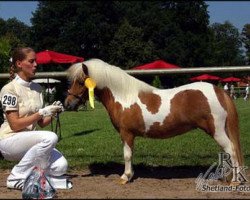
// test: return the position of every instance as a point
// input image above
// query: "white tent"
(46, 80)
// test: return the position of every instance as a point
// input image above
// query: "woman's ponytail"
(12, 71)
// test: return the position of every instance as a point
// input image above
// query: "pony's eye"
(81, 83)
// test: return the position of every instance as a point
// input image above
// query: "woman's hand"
(56, 107)
(51, 110)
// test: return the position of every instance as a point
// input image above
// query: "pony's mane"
(117, 80)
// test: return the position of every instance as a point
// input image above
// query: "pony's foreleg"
(128, 143)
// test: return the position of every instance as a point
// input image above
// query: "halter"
(79, 97)
(90, 84)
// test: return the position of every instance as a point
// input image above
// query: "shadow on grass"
(86, 132)
(145, 171)
(82, 133)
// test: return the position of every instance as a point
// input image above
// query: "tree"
(48, 23)
(246, 40)
(186, 37)
(5, 49)
(169, 30)
(226, 45)
(19, 30)
(128, 33)
(127, 45)
(178, 29)
(7, 43)
(13, 33)
(2, 25)
(81, 28)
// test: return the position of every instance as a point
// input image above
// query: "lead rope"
(51, 124)
(58, 127)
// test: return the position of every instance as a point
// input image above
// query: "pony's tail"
(232, 128)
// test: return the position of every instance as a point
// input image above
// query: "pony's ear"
(85, 69)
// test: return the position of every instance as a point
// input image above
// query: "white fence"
(152, 72)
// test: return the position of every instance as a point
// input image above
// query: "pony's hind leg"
(223, 140)
(128, 142)
(227, 134)
(216, 129)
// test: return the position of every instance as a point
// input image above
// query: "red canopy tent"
(231, 79)
(205, 77)
(47, 56)
(158, 64)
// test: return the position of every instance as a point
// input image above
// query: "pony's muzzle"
(73, 105)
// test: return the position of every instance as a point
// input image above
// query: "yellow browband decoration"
(91, 84)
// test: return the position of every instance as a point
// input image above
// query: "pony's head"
(77, 92)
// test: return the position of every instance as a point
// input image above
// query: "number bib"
(9, 100)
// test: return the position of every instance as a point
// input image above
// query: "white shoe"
(16, 184)
(60, 182)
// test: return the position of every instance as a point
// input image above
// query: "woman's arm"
(18, 123)
(45, 121)
(42, 117)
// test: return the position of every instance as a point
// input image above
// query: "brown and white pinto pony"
(138, 109)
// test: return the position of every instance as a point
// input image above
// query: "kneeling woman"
(22, 102)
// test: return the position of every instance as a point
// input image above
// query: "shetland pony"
(138, 109)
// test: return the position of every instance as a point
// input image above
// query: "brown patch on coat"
(127, 120)
(189, 110)
(152, 101)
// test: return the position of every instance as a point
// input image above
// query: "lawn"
(88, 137)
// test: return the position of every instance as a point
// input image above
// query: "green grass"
(89, 138)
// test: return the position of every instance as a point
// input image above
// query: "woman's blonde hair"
(20, 54)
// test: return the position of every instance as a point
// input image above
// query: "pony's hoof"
(125, 178)
(235, 183)
(122, 181)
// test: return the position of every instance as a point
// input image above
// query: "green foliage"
(16, 31)
(226, 45)
(7, 43)
(127, 45)
(125, 33)
(5, 49)
(187, 34)
(246, 40)
(13, 33)
(156, 82)
(80, 28)
(19, 31)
